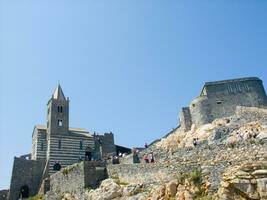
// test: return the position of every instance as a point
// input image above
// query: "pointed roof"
(58, 94)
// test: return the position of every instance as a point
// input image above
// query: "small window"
(219, 102)
(60, 123)
(81, 145)
(193, 105)
(58, 109)
(59, 144)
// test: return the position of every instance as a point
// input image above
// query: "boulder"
(171, 188)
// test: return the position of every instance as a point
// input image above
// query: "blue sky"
(128, 66)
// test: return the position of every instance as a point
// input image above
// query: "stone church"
(55, 146)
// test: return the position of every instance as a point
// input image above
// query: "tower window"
(60, 109)
(60, 123)
(59, 144)
(219, 102)
(81, 145)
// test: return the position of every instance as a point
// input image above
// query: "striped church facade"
(64, 149)
(56, 142)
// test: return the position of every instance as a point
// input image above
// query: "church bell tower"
(58, 113)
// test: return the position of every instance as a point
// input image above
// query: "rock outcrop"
(248, 181)
(247, 123)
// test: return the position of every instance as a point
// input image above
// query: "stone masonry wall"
(147, 173)
(220, 99)
(211, 159)
(185, 118)
(25, 172)
(76, 178)
(70, 180)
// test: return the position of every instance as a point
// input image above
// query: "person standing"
(146, 158)
(151, 157)
(146, 145)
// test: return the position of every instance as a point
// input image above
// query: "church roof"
(58, 94)
(75, 131)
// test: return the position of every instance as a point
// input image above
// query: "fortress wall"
(104, 145)
(221, 100)
(200, 111)
(147, 173)
(225, 106)
(108, 145)
(235, 86)
(213, 159)
(76, 178)
(25, 172)
(252, 113)
(68, 180)
(185, 118)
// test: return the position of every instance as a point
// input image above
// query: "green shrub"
(88, 189)
(36, 197)
(67, 170)
(138, 191)
(232, 145)
(181, 177)
(123, 183)
(204, 198)
(195, 176)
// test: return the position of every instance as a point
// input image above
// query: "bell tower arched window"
(60, 109)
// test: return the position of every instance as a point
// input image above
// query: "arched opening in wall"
(88, 153)
(57, 167)
(24, 191)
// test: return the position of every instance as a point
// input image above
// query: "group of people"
(196, 142)
(149, 158)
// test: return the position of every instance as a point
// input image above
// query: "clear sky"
(128, 66)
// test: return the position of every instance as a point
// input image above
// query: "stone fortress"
(55, 146)
(220, 98)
